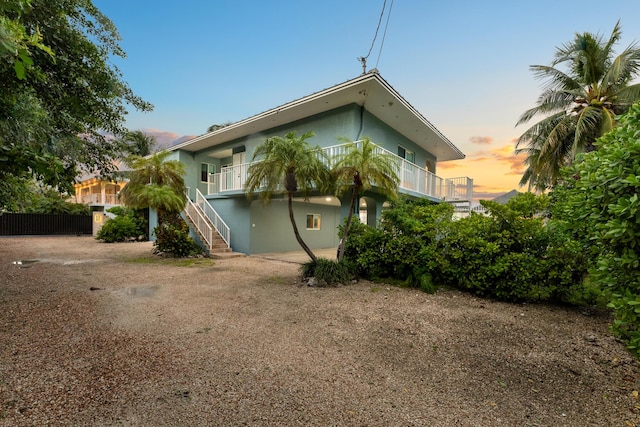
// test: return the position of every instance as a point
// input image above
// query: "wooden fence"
(18, 224)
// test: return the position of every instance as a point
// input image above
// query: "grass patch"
(278, 280)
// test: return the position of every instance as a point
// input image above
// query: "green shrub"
(172, 238)
(327, 271)
(128, 224)
(510, 255)
(599, 203)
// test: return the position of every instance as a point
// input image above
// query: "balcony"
(414, 179)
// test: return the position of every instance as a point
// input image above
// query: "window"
(313, 221)
(408, 155)
(205, 170)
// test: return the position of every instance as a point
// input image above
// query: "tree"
(288, 165)
(138, 143)
(216, 127)
(599, 201)
(158, 183)
(58, 105)
(14, 40)
(361, 168)
(578, 105)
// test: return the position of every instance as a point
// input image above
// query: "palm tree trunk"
(343, 241)
(295, 228)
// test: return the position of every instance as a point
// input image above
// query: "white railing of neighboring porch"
(218, 223)
(412, 178)
(200, 222)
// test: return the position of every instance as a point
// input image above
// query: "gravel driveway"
(95, 334)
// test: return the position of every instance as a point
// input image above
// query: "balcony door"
(239, 172)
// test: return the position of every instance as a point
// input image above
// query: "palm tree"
(156, 183)
(578, 105)
(361, 168)
(288, 165)
(138, 143)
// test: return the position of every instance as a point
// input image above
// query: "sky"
(464, 64)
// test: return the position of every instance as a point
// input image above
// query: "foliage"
(61, 93)
(599, 200)
(287, 166)
(36, 198)
(138, 143)
(172, 237)
(15, 40)
(127, 224)
(578, 105)
(158, 183)
(360, 168)
(327, 271)
(402, 247)
(509, 255)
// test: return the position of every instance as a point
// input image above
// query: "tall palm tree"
(288, 165)
(157, 183)
(577, 105)
(361, 168)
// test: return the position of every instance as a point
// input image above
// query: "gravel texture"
(240, 342)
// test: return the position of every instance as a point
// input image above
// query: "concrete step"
(225, 255)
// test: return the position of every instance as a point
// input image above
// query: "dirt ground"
(95, 334)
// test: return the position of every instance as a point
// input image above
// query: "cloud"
(449, 165)
(481, 140)
(507, 156)
(167, 139)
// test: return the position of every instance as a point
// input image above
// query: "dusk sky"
(464, 64)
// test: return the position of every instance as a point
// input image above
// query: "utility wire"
(384, 35)
(363, 59)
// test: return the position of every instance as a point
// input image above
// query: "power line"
(384, 35)
(363, 59)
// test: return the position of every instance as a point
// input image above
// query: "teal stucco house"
(366, 106)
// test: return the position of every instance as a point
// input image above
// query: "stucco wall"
(271, 229)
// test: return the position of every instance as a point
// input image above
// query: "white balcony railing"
(413, 178)
(98, 199)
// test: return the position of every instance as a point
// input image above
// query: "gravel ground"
(242, 342)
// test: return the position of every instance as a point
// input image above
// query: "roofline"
(371, 75)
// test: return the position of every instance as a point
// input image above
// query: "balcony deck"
(414, 180)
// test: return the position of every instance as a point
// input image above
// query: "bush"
(128, 224)
(599, 204)
(510, 255)
(327, 272)
(172, 237)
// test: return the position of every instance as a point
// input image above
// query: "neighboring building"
(367, 106)
(97, 193)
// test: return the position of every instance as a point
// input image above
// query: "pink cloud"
(481, 140)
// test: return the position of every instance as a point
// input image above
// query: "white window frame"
(316, 221)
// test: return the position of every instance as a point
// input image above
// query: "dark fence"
(12, 224)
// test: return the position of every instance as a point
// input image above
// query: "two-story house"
(366, 106)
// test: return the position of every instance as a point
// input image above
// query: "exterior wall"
(236, 214)
(256, 228)
(271, 229)
(385, 136)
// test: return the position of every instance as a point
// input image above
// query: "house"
(97, 193)
(366, 106)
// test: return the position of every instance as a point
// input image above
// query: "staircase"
(208, 225)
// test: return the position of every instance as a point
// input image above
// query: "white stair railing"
(200, 222)
(207, 210)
